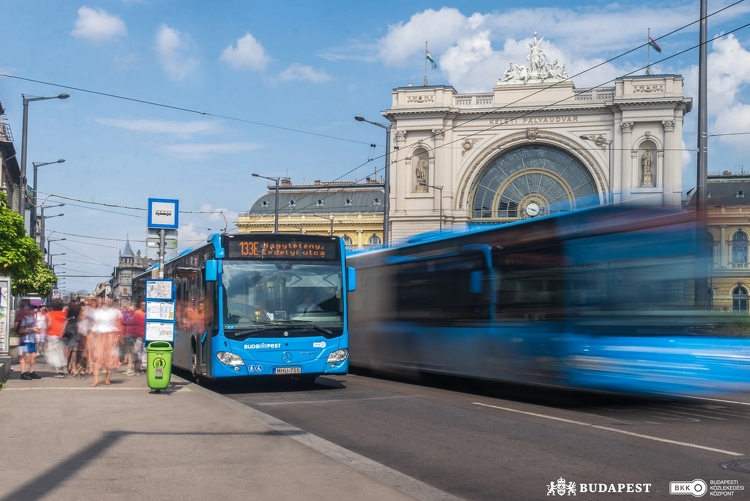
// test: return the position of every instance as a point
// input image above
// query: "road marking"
(379, 472)
(715, 400)
(337, 400)
(607, 428)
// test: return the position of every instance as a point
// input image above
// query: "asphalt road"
(489, 442)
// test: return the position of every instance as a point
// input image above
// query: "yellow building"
(728, 202)
(350, 210)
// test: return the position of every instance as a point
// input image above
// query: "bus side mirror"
(351, 281)
(475, 282)
(212, 270)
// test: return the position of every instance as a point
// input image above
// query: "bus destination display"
(281, 249)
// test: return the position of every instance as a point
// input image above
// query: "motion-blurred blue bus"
(599, 299)
(260, 305)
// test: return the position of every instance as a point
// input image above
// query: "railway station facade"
(534, 145)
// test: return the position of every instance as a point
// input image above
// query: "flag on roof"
(653, 44)
(432, 61)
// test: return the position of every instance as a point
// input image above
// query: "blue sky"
(306, 66)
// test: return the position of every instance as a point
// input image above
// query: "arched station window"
(739, 301)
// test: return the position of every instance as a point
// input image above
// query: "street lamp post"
(439, 188)
(387, 176)
(49, 241)
(50, 256)
(276, 201)
(32, 226)
(599, 140)
(25, 140)
(42, 224)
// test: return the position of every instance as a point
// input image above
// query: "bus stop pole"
(162, 233)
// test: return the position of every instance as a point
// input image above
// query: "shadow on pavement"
(47, 481)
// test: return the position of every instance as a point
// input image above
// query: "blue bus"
(599, 299)
(260, 305)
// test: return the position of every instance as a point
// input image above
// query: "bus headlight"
(227, 358)
(338, 356)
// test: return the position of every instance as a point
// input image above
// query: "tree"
(20, 257)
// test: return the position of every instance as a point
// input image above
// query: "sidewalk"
(64, 440)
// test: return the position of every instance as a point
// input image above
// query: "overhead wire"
(340, 188)
(536, 110)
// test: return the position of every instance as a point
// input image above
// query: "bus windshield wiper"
(243, 333)
(303, 323)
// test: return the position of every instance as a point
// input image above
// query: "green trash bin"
(159, 364)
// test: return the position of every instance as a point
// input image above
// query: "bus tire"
(194, 367)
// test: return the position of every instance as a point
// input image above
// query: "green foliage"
(20, 257)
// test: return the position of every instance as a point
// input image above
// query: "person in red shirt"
(55, 327)
(136, 330)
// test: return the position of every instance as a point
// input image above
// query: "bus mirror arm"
(351, 282)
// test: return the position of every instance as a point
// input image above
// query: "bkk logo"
(561, 488)
(699, 488)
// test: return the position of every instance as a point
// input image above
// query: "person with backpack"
(25, 327)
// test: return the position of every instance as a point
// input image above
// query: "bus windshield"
(300, 298)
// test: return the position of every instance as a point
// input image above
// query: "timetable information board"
(160, 310)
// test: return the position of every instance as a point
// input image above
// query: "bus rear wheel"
(194, 368)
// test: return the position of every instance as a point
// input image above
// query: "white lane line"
(404, 483)
(338, 400)
(713, 399)
(607, 428)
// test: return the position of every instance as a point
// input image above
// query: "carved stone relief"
(438, 133)
(400, 135)
(648, 88)
(532, 133)
(421, 99)
(668, 125)
(467, 145)
(627, 126)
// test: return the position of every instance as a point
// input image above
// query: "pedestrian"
(127, 339)
(105, 349)
(55, 354)
(71, 337)
(137, 330)
(40, 318)
(25, 327)
(85, 340)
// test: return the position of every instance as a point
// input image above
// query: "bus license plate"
(287, 370)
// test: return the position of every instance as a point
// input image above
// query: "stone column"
(672, 166)
(627, 161)
(723, 246)
(438, 167)
(403, 170)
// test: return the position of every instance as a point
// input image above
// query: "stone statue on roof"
(539, 69)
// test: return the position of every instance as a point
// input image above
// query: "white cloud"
(182, 129)
(172, 48)
(297, 71)
(474, 50)
(220, 215)
(248, 54)
(98, 25)
(728, 77)
(203, 151)
(191, 236)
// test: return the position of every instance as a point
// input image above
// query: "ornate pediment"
(538, 70)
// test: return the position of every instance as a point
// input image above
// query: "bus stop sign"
(163, 213)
